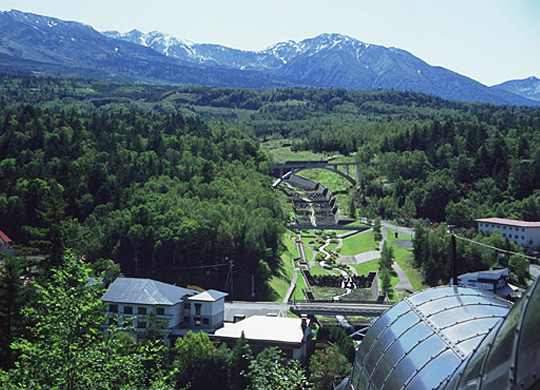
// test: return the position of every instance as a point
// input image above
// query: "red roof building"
(5, 242)
(522, 233)
(5, 238)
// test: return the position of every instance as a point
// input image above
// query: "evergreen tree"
(241, 357)
(67, 349)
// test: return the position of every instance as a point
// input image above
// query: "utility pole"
(454, 260)
(136, 260)
(229, 282)
(253, 288)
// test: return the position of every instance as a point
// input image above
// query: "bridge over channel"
(288, 169)
(344, 309)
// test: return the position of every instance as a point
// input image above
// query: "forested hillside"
(429, 158)
(156, 193)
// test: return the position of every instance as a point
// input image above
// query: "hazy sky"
(488, 40)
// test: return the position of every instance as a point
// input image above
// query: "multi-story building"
(207, 310)
(521, 232)
(179, 309)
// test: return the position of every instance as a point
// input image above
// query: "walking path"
(314, 255)
(347, 289)
(323, 249)
(403, 284)
(287, 296)
(343, 273)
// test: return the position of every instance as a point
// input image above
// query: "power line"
(495, 248)
(203, 266)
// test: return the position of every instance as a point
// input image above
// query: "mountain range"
(32, 44)
(529, 87)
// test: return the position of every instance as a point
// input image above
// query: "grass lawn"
(362, 242)
(403, 257)
(298, 295)
(332, 246)
(308, 252)
(319, 271)
(373, 266)
(330, 180)
(356, 224)
(283, 154)
(279, 283)
(366, 268)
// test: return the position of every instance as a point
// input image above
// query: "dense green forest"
(158, 193)
(175, 176)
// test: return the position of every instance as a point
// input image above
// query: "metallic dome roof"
(420, 342)
(509, 358)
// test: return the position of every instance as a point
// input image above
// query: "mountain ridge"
(528, 87)
(328, 60)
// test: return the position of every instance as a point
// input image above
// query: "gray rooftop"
(497, 273)
(208, 296)
(145, 292)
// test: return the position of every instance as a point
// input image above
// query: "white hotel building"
(521, 232)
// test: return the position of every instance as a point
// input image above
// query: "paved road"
(287, 296)
(534, 270)
(400, 229)
(404, 283)
(360, 258)
(302, 253)
(280, 309)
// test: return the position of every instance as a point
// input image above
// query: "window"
(205, 321)
(510, 235)
(141, 324)
(198, 309)
(523, 229)
(141, 310)
(113, 308)
(187, 306)
(197, 321)
(504, 234)
(160, 311)
(128, 310)
(522, 237)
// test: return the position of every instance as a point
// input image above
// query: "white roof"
(280, 329)
(209, 296)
